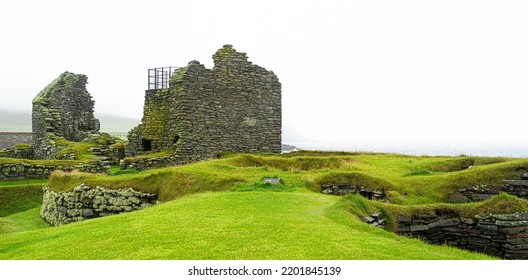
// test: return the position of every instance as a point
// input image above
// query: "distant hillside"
(116, 124)
(21, 122)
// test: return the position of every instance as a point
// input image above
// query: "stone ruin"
(190, 113)
(474, 193)
(85, 202)
(63, 109)
(344, 189)
(198, 113)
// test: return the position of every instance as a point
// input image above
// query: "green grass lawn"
(220, 209)
(226, 225)
(20, 196)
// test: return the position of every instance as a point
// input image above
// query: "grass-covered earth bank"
(221, 209)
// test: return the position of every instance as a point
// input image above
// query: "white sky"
(377, 72)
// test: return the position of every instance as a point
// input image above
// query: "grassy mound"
(20, 205)
(20, 196)
(221, 209)
(408, 180)
(227, 225)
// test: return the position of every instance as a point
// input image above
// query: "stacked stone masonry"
(21, 170)
(63, 109)
(235, 107)
(10, 139)
(501, 235)
(84, 202)
(150, 163)
(108, 150)
(20, 151)
(367, 192)
(470, 193)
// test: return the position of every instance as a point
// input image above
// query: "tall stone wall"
(63, 109)
(234, 107)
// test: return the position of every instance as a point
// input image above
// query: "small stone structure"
(63, 109)
(501, 235)
(234, 107)
(84, 202)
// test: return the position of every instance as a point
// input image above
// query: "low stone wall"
(148, 163)
(21, 170)
(501, 235)
(472, 193)
(519, 188)
(18, 151)
(369, 193)
(9, 139)
(475, 193)
(84, 202)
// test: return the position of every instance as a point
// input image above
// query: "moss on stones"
(85, 202)
(234, 107)
(64, 109)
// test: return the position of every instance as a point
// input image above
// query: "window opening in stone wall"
(158, 78)
(176, 139)
(147, 145)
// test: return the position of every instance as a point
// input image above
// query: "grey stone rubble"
(375, 220)
(501, 235)
(343, 189)
(234, 107)
(84, 202)
(22, 170)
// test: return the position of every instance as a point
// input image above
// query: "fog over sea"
(495, 150)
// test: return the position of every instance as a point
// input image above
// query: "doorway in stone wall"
(147, 145)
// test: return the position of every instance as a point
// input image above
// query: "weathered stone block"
(418, 228)
(367, 220)
(445, 223)
(511, 223)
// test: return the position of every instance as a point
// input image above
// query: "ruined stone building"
(200, 112)
(63, 109)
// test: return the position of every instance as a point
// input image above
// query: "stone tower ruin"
(200, 112)
(63, 109)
